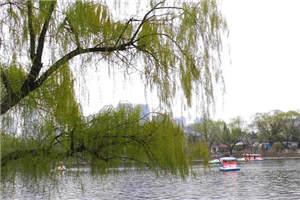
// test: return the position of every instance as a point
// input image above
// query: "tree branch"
(6, 83)
(10, 3)
(144, 20)
(37, 65)
(10, 95)
(74, 53)
(72, 30)
(123, 31)
(30, 85)
(41, 40)
(15, 155)
(31, 31)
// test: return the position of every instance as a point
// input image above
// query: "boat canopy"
(227, 158)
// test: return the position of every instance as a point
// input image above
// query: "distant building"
(198, 120)
(145, 112)
(126, 106)
(188, 131)
(181, 121)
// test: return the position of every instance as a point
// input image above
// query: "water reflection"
(270, 179)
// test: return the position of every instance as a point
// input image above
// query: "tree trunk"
(72, 142)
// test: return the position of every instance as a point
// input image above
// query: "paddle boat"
(214, 161)
(243, 159)
(61, 167)
(250, 157)
(228, 164)
(256, 157)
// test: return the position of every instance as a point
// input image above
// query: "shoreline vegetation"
(281, 158)
(281, 154)
(265, 156)
(268, 155)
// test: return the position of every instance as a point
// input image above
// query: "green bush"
(239, 148)
(277, 147)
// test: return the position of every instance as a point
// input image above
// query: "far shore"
(265, 155)
(280, 158)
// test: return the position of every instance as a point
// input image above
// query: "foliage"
(232, 134)
(277, 126)
(199, 151)
(15, 74)
(174, 48)
(110, 139)
(117, 138)
(277, 147)
(268, 125)
(208, 131)
(272, 127)
(290, 130)
(172, 43)
(213, 132)
(239, 147)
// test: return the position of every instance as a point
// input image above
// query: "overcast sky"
(264, 72)
(265, 51)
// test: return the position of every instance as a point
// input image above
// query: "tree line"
(276, 128)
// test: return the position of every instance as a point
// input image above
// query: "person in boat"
(61, 167)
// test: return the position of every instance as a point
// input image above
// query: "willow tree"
(232, 133)
(269, 126)
(289, 126)
(175, 47)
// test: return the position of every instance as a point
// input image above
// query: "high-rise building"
(145, 112)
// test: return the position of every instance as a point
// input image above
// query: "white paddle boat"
(228, 164)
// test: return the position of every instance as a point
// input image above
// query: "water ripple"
(275, 179)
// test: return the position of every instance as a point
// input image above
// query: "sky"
(261, 70)
(264, 50)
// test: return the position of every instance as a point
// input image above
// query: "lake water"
(268, 179)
